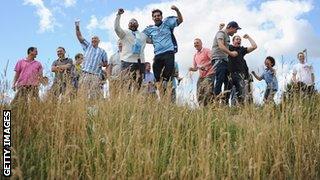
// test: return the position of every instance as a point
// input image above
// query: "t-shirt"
(270, 78)
(303, 73)
(216, 51)
(238, 63)
(93, 58)
(162, 36)
(29, 72)
(116, 64)
(203, 59)
(133, 43)
(65, 75)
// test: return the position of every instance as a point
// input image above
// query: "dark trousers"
(221, 67)
(163, 66)
(238, 80)
(133, 72)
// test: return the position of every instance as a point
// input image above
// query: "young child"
(77, 70)
(269, 75)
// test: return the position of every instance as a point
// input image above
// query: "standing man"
(303, 75)
(114, 71)
(220, 50)
(238, 68)
(202, 62)
(27, 78)
(132, 54)
(62, 68)
(164, 43)
(94, 59)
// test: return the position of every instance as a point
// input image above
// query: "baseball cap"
(233, 24)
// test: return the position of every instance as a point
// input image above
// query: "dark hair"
(147, 63)
(30, 49)
(299, 54)
(271, 59)
(61, 48)
(77, 56)
(155, 11)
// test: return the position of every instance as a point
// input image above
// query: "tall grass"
(132, 136)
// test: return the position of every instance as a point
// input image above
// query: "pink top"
(203, 59)
(29, 72)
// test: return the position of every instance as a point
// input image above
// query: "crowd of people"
(223, 71)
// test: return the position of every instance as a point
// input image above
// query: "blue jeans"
(221, 67)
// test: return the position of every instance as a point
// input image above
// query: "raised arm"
(119, 31)
(179, 15)
(259, 78)
(252, 42)
(78, 33)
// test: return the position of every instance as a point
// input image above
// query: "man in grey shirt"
(62, 69)
(220, 53)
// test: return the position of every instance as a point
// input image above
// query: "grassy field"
(132, 136)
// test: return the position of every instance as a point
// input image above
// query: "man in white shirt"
(114, 68)
(132, 54)
(303, 74)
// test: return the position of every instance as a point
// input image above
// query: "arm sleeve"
(17, 68)
(85, 44)
(147, 32)
(220, 35)
(104, 57)
(244, 50)
(171, 21)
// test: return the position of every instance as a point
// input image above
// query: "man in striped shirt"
(94, 59)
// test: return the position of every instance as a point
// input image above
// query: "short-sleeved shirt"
(216, 51)
(29, 72)
(93, 58)
(238, 63)
(116, 64)
(162, 36)
(303, 73)
(271, 79)
(202, 58)
(63, 76)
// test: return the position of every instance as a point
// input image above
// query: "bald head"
(197, 43)
(133, 24)
(95, 41)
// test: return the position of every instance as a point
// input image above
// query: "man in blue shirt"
(164, 42)
(94, 59)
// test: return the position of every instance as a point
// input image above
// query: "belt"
(84, 72)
